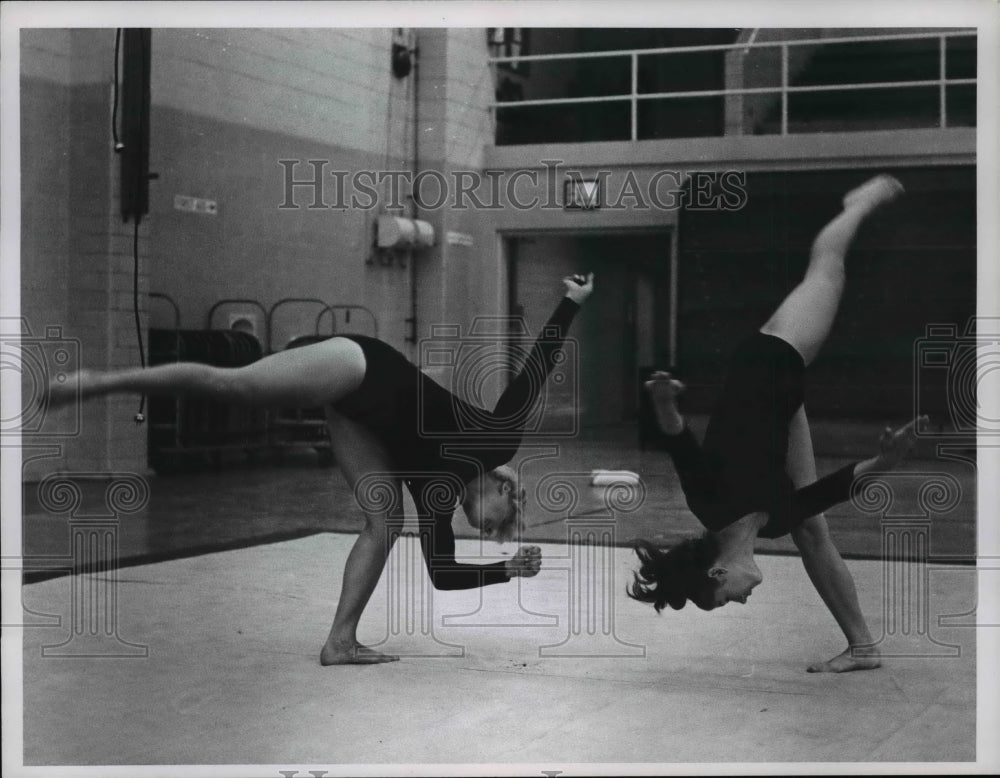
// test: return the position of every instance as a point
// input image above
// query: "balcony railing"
(784, 89)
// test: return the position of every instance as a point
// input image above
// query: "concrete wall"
(76, 252)
(462, 276)
(227, 106)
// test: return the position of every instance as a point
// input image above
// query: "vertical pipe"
(635, 91)
(784, 89)
(494, 108)
(674, 264)
(942, 74)
(415, 75)
(508, 255)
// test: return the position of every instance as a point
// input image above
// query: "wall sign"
(582, 194)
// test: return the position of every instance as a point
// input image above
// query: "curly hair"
(676, 575)
(512, 524)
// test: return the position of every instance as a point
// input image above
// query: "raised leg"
(805, 317)
(359, 454)
(824, 565)
(310, 376)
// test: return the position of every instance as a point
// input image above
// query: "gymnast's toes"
(875, 191)
(356, 654)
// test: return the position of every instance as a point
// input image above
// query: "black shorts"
(748, 430)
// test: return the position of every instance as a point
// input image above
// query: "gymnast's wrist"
(872, 464)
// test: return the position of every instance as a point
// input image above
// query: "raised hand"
(663, 386)
(896, 444)
(525, 563)
(663, 390)
(578, 287)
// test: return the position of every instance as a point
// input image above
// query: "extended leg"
(824, 565)
(359, 454)
(303, 377)
(805, 317)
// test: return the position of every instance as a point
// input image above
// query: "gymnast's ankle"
(352, 652)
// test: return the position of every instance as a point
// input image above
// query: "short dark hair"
(512, 525)
(675, 575)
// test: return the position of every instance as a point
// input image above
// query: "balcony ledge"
(881, 148)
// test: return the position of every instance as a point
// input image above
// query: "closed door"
(620, 331)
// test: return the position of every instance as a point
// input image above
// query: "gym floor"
(252, 501)
(241, 569)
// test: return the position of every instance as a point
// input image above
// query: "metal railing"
(784, 89)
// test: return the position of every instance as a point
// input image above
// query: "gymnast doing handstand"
(754, 473)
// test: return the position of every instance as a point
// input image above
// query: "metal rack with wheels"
(307, 426)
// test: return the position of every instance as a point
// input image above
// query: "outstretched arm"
(678, 440)
(520, 395)
(437, 542)
(816, 496)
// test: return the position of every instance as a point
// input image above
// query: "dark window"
(510, 42)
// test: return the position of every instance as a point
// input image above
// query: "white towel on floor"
(608, 477)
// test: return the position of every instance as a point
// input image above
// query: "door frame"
(506, 264)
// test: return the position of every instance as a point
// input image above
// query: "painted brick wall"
(322, 84)
(76, 259)
(227, 106)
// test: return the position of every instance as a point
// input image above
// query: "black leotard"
(439, 442)
(740, 468)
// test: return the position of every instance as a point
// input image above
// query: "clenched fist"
(525, 563)
(579, 287)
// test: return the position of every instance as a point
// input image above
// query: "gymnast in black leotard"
(740, 467)
(468, 445)
(754, 475)
(381, 411)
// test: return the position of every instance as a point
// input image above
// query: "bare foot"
(663, 390)
(853, 658)
(874, 192)
(352, 654)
